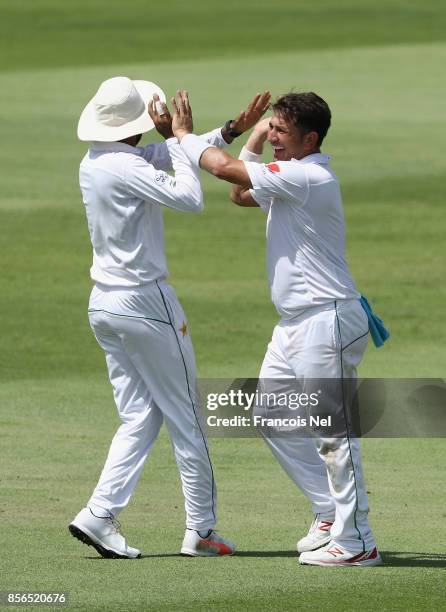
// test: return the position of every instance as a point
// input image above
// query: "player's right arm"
(285, 180)
(157, 154)
(218, 162)
(241, 193)
(206, 156)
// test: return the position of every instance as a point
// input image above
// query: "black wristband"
(230, 132)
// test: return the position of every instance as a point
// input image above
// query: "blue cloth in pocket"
(377, 328)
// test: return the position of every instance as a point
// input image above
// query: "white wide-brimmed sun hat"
(118, 110)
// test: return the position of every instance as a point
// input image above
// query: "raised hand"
(161, 117)
(248, 118)
(182, 122)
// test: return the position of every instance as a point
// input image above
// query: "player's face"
(286, 139)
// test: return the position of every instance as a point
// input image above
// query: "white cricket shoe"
(336, 555)
(103, 534)
(318, 535)
(210, 545)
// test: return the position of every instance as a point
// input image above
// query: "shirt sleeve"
(215, 138)
(284, 180)
(181, 192)
(157, 153)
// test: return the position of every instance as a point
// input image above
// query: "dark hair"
(307, 111)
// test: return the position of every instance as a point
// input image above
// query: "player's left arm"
(252, 151)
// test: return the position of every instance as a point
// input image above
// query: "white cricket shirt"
(305, 233)
(123, 189)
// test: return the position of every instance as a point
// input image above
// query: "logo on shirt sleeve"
(161, 177)
(273, 167)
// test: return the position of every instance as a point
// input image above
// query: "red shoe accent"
(325, 526)
(219, 547)
(359, 557)
(335, 551)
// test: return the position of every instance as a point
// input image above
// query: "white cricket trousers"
(324, 342)
(151, 365)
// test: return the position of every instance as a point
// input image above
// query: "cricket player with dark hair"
(135, 314)
(323, 330)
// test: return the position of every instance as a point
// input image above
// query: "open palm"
(249, 117)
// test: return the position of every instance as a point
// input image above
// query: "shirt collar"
(314, 158)
(115, 147)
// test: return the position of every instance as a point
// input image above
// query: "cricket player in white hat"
(135, 315)
(323, 331)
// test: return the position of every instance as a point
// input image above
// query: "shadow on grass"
(413, 559)
(239, 553)
(154, 556)
(390, 558)
(266, 553)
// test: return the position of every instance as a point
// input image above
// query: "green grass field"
(379, 65)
